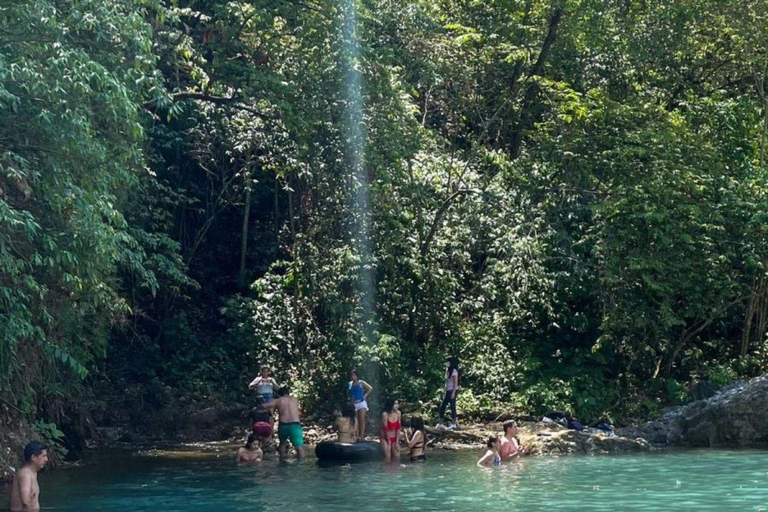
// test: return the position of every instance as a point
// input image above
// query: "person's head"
(510, 428)
(451, 363)
(36, 454)
(417, 423)
(252, 438)
(354, 376)
(391, 404)
(264, 371)
(494, 443)
(284, 391)
(348, 411)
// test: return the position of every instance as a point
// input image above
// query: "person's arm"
(270, 405)
(512, 453)
(367, 388)
(488, 455)
(254, 382)
(455, 378)
(237, 456)
(275, 385)
(414, 439)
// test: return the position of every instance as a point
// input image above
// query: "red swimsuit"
(391, 426)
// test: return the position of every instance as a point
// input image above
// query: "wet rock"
(737, 416)
(702, 390)
(539, 439)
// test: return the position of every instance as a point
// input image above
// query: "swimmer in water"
(250, 453)
(290, 423)
(25, 491)
(492, 456)
(510, 446)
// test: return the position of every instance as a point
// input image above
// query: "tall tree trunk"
(277, 213)
(527, 116)
(246, 217)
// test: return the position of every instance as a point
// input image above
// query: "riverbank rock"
(539, 438)
(737, 416)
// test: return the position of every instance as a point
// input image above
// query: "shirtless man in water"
(510, 448)
(290, 424)
(25, 492)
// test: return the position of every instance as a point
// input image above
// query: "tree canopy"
(569, 195)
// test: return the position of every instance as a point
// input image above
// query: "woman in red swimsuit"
(390, 430)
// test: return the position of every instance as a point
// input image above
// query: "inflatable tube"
(348, 452)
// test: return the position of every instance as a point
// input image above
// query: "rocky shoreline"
(735, 417)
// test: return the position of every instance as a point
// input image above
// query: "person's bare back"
(287, 409)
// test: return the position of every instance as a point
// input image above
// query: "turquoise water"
(449, 481)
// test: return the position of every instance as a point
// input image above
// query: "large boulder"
(737, 416)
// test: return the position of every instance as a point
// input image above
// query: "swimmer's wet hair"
(283, 391)
(490, 441)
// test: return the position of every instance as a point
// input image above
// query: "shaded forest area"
(569, 195)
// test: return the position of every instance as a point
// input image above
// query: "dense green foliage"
(570, 195)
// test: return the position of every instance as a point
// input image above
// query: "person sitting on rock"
(250, 452)
(344, 423)
(510, 445)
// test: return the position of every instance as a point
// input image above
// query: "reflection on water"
(700, 481)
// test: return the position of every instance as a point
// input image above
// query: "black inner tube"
(348, 452)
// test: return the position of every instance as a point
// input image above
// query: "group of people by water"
(350, 422)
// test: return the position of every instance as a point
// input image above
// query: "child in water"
(492, 456)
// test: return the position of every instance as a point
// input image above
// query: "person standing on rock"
(510, 446)
(290, 422)
(25, 491)
(359, 391)
(451, 389)
(265, 385)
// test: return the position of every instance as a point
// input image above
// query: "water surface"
(449, 481)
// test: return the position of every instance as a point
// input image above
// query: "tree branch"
(439, 217)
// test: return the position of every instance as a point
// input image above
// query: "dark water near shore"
(449, 481)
